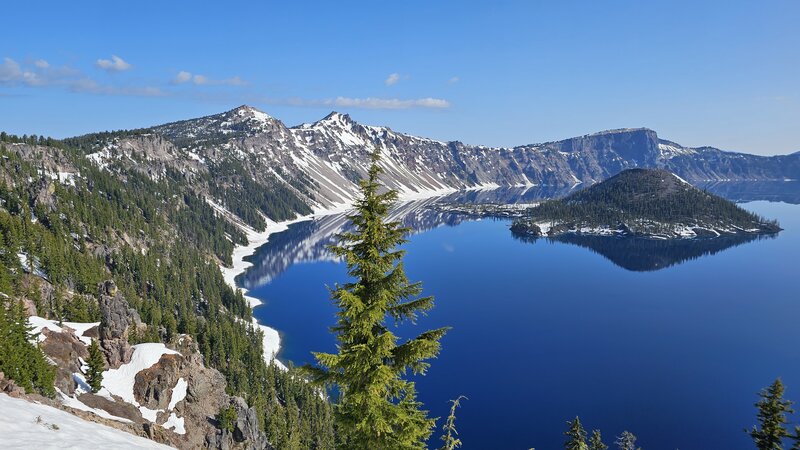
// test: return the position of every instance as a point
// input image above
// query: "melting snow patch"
(41, 427)
(150, 414)
(175, 422)
(40, 323)
(178, 393)
(120, 381)
(73, 402)
(100, 158)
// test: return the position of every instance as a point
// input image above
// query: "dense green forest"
(227, 181)
(20, 359)
(161, 243)
(645, 197)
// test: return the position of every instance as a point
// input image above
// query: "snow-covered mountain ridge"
(321, 162)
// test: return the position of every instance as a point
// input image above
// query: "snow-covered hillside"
(26, 425)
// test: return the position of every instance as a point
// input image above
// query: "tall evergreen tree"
(576, 436)
(94, 376)
(626, 441)
(772, 410)
(376, 406)
(20, 359)
(596, 441)
(450, 438)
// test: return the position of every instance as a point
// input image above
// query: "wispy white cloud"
(42, 74)
(390, 103)
(89, 86)
(361, 103)
(10, 71)
(202, 80)
(205, 81)
(392, 79)
(182, 77)
(453, 80)
(115, 64)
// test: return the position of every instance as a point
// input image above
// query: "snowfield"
(120, 381)
(26, 425)
(40, 323)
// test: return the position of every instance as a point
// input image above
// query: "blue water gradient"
(546, 331)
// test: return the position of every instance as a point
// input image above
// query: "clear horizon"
(721, 74)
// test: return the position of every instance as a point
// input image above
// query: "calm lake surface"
(671, 343)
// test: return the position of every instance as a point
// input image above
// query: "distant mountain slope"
(235, 156)
(642, 202)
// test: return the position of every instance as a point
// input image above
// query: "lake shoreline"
(257, 239)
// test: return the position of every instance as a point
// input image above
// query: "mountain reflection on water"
(307, 241)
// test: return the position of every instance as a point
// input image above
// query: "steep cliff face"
(319, 163)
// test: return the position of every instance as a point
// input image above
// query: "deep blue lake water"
(670, 343)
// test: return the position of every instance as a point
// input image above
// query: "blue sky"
(722, 73)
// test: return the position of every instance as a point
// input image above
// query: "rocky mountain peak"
(247, 112)
(336, 119)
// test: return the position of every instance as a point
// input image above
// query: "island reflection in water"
(308, 241)
(644, 255)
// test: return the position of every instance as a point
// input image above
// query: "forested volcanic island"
(645, 203)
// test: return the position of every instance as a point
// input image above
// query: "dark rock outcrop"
(246, 426)
(64, 349)
(152, 387)
(205, 397)
(119, 409)
(8, 387)
(116, 318)
(245, 432)
(526, 228)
